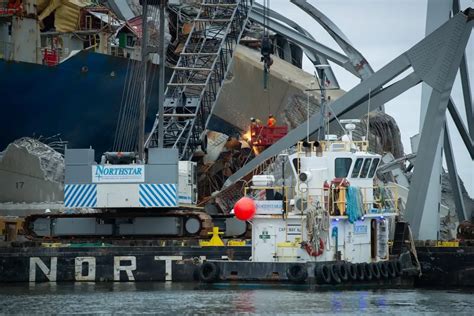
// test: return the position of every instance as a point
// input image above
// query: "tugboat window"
(375, 163)
(365, 168)
(342, 167)
(356, 170)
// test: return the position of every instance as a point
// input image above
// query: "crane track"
(32, 225)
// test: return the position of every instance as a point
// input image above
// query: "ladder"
(198, 76)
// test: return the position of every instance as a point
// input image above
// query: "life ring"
(375, 270)
(297, 273)
(383, 269)
(323, 274)
(398, 267)
(334, 274)
(360, 271)
(367, 272)
(310, 250)
(208, 272)
(352, 271)
(391, 269)
(342, 271)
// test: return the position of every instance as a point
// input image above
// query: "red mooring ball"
(245, 209)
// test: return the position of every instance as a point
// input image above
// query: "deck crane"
(145, 196)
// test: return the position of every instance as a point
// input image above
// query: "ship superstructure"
(331, 210)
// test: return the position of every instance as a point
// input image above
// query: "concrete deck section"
(24, 178)
(243, 95)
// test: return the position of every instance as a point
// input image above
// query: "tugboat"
(330, 226)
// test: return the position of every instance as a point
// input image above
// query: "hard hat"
(252, 119)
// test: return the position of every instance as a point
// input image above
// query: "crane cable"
(266, 44)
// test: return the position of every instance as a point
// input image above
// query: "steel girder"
(466, 86)
(454, 177)
(314, 58)
(357, 60)
(354, 62)
(466, 89)
(305, 42)
(468, 142)
(437, 60)
(434, 60)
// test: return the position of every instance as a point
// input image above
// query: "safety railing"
(50, 57)
(266, 136)
(342, 146)
(370, 200)
(6, 50)
(10, 7)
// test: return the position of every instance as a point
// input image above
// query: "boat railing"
(378, 199)
(337, 200)
(329, 145)
(51, 57)
(6, 50)
(9, 8)
(360, 145)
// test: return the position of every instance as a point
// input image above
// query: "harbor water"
(178, 299)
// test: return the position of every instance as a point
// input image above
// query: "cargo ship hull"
(79, 99)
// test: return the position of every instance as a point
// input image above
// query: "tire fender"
(392, 273)
(360, 271)
(297, 273)
(383, 269)
(375, 270)
(398, 267)
(342, 272)
(208, 272)
(323, 274)
(352, 271)
(334, 274)
(367, 272)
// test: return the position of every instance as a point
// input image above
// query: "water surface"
(177, 299)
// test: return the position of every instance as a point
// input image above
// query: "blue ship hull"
(79, 99)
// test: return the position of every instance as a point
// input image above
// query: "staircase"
(198, 76)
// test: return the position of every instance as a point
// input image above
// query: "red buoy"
(245, 209)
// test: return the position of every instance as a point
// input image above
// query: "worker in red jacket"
(271, 121)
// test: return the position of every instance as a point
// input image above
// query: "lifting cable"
(266, 45)
(126, 133)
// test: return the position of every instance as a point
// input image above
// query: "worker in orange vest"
(271, 121)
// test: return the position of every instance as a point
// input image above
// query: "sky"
(382, 30)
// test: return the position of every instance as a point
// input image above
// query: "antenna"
(368, 119)
(307, 116)
(320, 70)
(307, 108)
